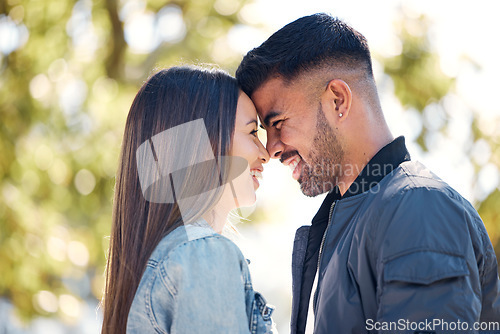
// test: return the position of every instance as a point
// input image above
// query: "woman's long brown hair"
(169, 98)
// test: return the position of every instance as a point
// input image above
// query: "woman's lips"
(256, 175)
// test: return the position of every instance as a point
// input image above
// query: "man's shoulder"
(422, 210)
(413, 183)
(413, 198)
(412, 175)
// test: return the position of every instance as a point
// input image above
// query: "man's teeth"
(256, 173)
(294, 163)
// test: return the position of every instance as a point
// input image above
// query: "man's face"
(299, 135)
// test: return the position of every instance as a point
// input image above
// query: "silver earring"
(340, 115)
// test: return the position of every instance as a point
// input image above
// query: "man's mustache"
(289, 154)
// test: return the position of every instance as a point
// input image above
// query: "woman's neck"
(216, 218)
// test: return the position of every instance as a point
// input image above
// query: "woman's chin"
(256, 183)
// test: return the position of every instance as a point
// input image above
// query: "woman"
(190, 154)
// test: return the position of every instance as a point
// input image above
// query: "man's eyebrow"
(271, 115)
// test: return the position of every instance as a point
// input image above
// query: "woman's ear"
(337, 100)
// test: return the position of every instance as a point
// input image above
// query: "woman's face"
(247, 145)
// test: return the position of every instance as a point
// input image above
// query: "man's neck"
(381, 164)
(352, 169)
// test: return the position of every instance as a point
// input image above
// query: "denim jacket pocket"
(260, 320)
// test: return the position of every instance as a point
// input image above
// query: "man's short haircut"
(311, 42)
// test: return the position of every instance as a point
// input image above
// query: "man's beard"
(322, 172)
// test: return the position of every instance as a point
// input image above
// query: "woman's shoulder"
(191, 245)
(207, 257)
(211, 247)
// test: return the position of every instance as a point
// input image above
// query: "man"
(392, 247)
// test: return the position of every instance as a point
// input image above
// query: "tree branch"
(117, 45)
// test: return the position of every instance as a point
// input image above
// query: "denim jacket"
(197, 281)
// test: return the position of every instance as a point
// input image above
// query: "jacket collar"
(382, 163)
(182, 234)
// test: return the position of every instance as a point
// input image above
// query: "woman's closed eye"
(254, 132)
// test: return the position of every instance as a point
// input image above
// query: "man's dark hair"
(308, 43)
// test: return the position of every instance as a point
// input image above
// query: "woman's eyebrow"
(252, 121)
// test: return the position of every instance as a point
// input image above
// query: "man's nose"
(274, 145)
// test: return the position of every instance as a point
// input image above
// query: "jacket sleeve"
(205, 278)
(427, 269)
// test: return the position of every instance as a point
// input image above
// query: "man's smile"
(294, 161)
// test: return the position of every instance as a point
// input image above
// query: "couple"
(391, 243)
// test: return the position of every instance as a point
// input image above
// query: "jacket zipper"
(324, 236)
(321, 247)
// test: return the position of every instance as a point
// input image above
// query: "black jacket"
(407, 252)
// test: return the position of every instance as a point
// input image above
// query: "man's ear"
(337, 100)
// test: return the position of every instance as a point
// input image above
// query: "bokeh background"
(69, 71)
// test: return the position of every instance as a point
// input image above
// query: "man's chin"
(308, 193)
(313, 189)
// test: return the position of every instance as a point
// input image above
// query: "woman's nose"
(263, 154)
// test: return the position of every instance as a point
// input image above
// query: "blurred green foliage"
(65, 91)
(416, 72)
(419, 82)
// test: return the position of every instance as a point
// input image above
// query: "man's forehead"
(267, 96)
(274, 83)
